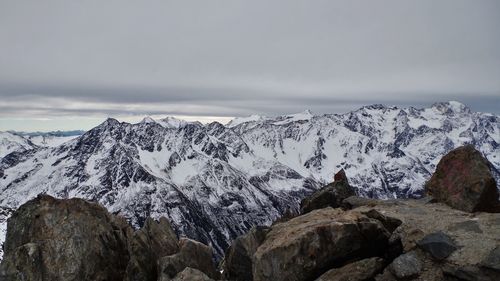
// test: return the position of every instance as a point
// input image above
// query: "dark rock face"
(152, 241)
(305, 247)
(331, 195)
(49, 239)
(191, 254)
(238, 261)
(464, 181)
(438, 245)
(362, 270)
(406, 266)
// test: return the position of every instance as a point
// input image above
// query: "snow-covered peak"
(10, 142)
(301, 116)
(172, 122)
(240, 120)
(109, 122)
(147, 120)
(304, 114)
(451, 107)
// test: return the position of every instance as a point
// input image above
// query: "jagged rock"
(191, 254)
(192, 274)
(406, 266)
(463, 180)
(303, 248)
(389, 223)
(152, 241)
(50, 239)
(438, 244)
(340, 176)
(331, 195)
(238, 260)
(362, 270)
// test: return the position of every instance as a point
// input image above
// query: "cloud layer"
(92, 59)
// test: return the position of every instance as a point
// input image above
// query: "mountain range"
(214, 181)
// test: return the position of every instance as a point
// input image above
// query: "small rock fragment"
(406, 266)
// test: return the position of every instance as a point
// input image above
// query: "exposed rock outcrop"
(50, 239)
(238, 261)
(191, 254)
(152, 241)
(362, 270)
(464, 181)
(305, 247)
(331, 195)
(73, 240)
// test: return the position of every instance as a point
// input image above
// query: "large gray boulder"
(64, 240)
(301, 248)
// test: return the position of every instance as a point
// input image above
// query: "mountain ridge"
(215, 181)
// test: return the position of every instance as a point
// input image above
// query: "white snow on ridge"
(302, 116)
(50, 141)
(240, 120)
(10, 142)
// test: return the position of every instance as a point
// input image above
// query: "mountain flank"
(214, 182)
(351, 238)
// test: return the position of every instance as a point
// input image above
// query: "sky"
(71, 64)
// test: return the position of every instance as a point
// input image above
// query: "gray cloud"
(233, 58)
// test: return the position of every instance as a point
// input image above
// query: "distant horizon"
(95, 121)
(69, 65)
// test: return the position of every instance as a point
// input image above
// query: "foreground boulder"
(331, 195)
(50, 239)
(305, 247)
(191, 254)
(238, 261)
(152, 241)
(463, 180)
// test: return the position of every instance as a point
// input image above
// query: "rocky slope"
(214, 182)
(366, 239)
(10, 142)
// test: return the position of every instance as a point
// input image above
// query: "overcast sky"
(70, 64)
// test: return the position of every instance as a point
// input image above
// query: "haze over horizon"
(69, 65)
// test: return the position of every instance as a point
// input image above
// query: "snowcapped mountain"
(10, 142)
(215, 181)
